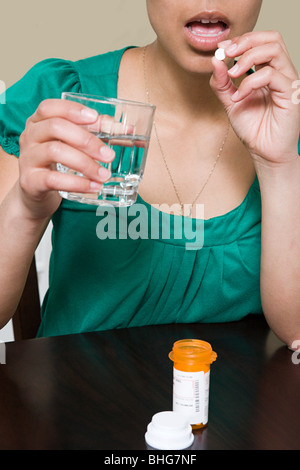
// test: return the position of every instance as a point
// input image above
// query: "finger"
(80, 114)
(271, 54)
(76, 136)
(241, 44)
(109, 126)
(50, 180)
(265, 77)
(221, 83)
(58, 152)
(69, 110)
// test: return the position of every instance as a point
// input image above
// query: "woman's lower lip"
(206, 43)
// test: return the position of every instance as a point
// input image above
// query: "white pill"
(220, 54)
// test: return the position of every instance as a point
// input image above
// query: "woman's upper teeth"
(208, 21)
(200, 27)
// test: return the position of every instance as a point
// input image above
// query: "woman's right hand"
(54, 134)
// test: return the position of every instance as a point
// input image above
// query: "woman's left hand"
(262, 110)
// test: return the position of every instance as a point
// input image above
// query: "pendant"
(190, 210)
(186, 210)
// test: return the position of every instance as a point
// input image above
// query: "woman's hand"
(54, 134)
(261, 110)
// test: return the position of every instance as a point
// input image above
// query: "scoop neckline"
(211, 219)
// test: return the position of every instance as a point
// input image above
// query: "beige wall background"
(33, 30)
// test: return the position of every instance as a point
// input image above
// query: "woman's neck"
(171, 87)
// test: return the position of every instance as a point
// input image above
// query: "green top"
(97, 284)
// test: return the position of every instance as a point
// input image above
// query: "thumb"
(221, 83)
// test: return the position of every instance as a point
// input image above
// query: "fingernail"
(234, 69)
(224, 43)
(95, 186)
(104, 173)
(235, 96)
(231, 48)
(107, 153)
(88, 113)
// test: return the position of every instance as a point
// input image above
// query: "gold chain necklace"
(182, 206)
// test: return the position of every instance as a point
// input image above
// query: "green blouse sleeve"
(47, 79)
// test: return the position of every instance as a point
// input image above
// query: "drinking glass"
(125, 126)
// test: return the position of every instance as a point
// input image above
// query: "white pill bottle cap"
(169, 430)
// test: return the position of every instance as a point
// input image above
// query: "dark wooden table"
(100, 390)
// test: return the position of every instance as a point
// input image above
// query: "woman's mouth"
(205, 31)
(206, 28)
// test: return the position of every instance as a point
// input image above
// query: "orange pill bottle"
(191, 377)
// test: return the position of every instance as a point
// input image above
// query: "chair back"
(27, 317)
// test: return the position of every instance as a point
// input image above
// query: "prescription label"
(191, 395)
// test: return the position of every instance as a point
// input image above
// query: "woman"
(223, 138)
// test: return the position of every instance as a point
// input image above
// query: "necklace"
(182, 206)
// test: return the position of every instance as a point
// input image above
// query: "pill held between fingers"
(220, 54)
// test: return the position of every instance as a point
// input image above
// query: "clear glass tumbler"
(125, 126)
